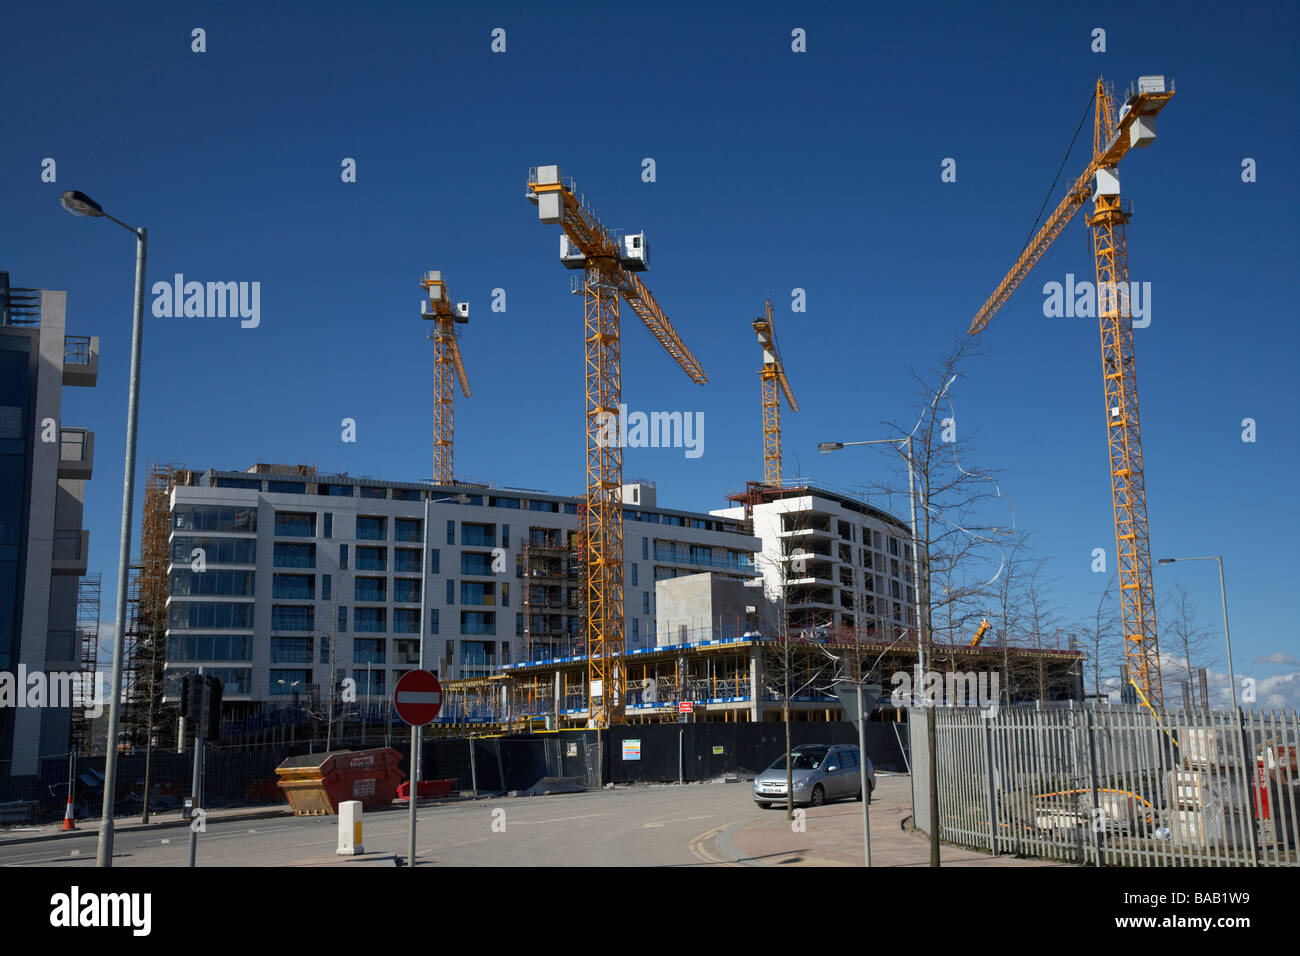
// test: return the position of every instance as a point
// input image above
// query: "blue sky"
(775, 170)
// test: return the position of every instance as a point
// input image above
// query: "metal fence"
(1124, 786)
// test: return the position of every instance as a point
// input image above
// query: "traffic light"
(201, 705)
(213, 724)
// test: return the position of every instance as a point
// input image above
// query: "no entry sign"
(417, 698)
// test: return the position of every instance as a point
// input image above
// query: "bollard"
(350, 829)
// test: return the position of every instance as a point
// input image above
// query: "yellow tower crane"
(772, 374)
(445, 315)
(609, 263)
(1113, 136)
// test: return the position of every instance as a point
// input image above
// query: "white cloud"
(1278, 658)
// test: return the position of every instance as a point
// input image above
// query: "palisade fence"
(1119, 785)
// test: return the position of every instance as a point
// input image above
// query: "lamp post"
(424, 633)
(1223, 594)
(81, 205)
(904, 446)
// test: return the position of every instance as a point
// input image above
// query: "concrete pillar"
(755, 697)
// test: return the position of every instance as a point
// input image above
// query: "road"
(642, 826)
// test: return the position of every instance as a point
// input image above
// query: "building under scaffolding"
(555, 583)
(743, 678)
(89, 590)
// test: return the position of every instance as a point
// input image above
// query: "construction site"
(837, 589)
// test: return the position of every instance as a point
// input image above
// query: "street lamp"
(904, 446)
(81, 205)
(1223, 594)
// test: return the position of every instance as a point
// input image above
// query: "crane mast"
(609, 263)
(1113, 136)
(774, 383)
(447, 362)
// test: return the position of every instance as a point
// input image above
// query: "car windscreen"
(802, 760)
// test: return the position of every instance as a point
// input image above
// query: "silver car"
(821, 773)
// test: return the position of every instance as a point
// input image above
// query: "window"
(405, 494)
(325, 648)
(343, 619)
(370, 589)
(478, 622)
(505, 593)
(634, 575)
(435, 562)
(343, 557)
(645, 549)
(406, 590)
(404, 559)
(372, 559)
(475, 562)
(325, 586)
(373, 492)
(292, 617)
(301, 587)
(291, 650)
(519, 625)
(367, 650)
(328, 524)
(253, 483)
(451, 650)
(406, 621)
(645, 602)
(337, 491)
(433, 620)
(210, 647)
(407, 529)
(371, 528)
(505, 536)
(451, 532)
(291, 524)
(477, 535)
(215, 550)
(184, 583)
(370, 620)
(451, 591)
(370, 682)
(505, 652)
(496, 502)
(214, 614)
(636, 630)
(214, 518)
(893, 546)
(570, 509)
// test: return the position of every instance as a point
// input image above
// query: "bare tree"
(1103, 637)
(1190, 641)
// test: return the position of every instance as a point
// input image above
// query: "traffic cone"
(69, 821)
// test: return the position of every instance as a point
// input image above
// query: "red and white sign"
(685, 707)
(417, 698)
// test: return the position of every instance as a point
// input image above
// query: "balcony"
(81, 360)
(69, 552)
(76, 453)
(730, 562)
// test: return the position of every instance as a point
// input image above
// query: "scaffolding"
(89, 590)
(554, 591)
(146, 631)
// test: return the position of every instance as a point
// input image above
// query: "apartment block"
(279, 575)
(44, 465)
(831, 561)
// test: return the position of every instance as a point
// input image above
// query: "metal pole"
(148, 743)
(680, 734)
(1223, 593)
(424, 633)
(923, 659)
(862, 772)
(201, 688)
(473, 767)
(104, 853)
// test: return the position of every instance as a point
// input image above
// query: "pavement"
(831, 835)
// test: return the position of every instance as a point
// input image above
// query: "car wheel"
(859, 796)
(818, 796)
(762, 804)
